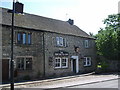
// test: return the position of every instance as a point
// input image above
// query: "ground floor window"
(24, 63)
(87, 61)
(61, 62)
(57, 62)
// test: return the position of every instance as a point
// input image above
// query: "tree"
(113, 21)
(108, 39)
(91, 34)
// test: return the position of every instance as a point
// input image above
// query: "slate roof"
(42, 23)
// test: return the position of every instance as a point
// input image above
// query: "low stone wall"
(113, 65)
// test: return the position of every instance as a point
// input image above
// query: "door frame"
(77, 63)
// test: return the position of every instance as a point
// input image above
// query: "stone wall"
(35, 50)
(38, 49)
(110, 65)
(113, 65)
(72, 42)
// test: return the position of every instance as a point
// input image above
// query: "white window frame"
(86, 43)
(86, 60)
(57, 62)
(61, 62)
(64, 62)
(61, 41)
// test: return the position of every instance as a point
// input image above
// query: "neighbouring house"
(45, 47)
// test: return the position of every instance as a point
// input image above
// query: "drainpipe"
(44, 54)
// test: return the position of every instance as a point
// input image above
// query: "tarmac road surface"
(104, 84)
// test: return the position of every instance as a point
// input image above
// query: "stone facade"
(71, 43)
(35, 50)
(45, 47)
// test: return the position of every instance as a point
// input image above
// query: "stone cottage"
(45, 47)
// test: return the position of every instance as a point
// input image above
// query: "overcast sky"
(87, 14)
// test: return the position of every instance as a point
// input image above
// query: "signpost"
(17, 8)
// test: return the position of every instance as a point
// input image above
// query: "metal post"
(12, 37)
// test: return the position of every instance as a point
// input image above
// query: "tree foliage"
(108, 39)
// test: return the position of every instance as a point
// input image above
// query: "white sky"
(87, 14)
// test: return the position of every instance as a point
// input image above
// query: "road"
(84, 81)
(93, 81)
(104, 84)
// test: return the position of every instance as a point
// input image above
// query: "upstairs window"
(86, 43)
(23, 38)
(87, 61)
(61, 41)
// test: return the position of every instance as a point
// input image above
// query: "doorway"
(75, 64)
(5, 69)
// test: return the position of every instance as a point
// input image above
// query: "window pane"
(87, 61)
(84, 61)
(61, 41)
(29, 63)
(18, 36)
(24, 38)
(20, 63)
(57, 63)
(64, 62)
(86, 43)
(57, 40)
(19, 40)
(29, 38)
(64, 42)
(88, 58)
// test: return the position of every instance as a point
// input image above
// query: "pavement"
(65, 81)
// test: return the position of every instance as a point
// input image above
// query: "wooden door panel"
(5, 69)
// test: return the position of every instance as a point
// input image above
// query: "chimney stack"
(70, 21)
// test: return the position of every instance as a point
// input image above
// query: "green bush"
(104, 66)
